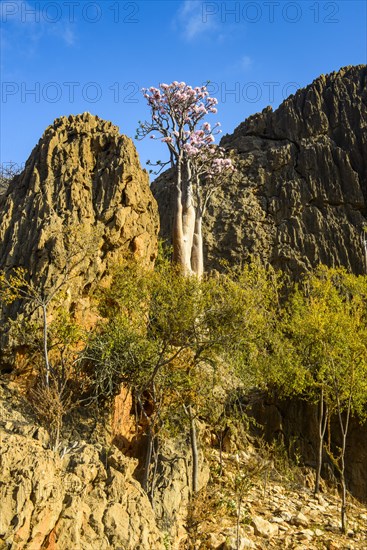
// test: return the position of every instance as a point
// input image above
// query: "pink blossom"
(180, 106)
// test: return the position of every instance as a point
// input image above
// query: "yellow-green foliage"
(168, 328)
(326, 336)
(14, 286)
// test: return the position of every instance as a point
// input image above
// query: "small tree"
(8, 170)
(177, 112)
(327, 329)
(18, 286)
(80, 243)
(364, 246)
(53, 349)
(167, 337)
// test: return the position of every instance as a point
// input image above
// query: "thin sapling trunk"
(194, 448)
(45, 344)
(322, 424)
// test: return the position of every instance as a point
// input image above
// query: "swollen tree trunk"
(322, 421)
(188, 211)
(197, 260)
(183, 222)
(178, 235)
(187, 224)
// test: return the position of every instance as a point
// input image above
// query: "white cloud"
(63, 31)
(192, 21)
(33, 23)
(68, 36)
(241, 65)
(245, 62)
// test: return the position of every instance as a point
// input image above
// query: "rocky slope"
(85, 496)
(294, 421)
(82, 498)
(300, 196)
(277, 509)
(81, 202)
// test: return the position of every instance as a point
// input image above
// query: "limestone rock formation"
(300, 197)
(295, 420)
(85, 498)
(81, 202)
(172, 483)
(171, 499)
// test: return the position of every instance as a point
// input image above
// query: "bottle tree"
(177, 116)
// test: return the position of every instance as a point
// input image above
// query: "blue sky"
(63, 57)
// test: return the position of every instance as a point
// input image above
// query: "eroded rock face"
(308, 162)
(80, 204)
(86, 499)
(87, 495)
(171, 499)
(301, 196)
(295, 422)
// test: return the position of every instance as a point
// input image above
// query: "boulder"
(263, 527)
